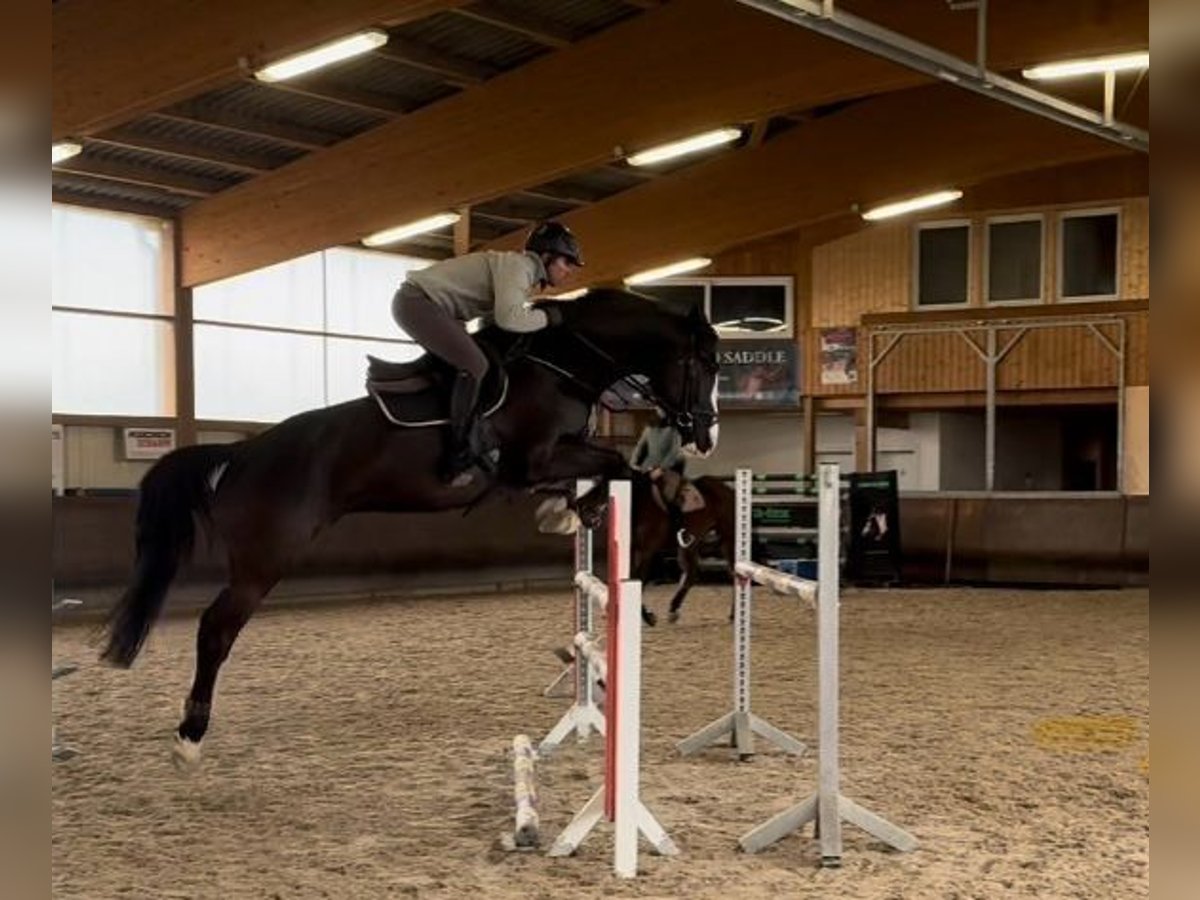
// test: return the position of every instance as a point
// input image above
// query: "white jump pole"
(618, 799)
(526, 830)
(584, 716)
(827, 806)
(740, 723)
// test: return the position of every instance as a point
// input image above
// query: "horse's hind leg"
(219, 627)
(689, 565)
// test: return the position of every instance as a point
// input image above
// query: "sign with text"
(759, 373)
(148, 443)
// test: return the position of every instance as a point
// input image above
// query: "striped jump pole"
(618, 799)
(827, 807)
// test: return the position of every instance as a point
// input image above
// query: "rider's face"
(558, 270)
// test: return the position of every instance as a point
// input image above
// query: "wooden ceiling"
(522, 109)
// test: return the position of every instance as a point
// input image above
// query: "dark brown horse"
(268, 497)
(655, 534)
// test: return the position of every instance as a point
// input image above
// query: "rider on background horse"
(659, 453)
(433, 305)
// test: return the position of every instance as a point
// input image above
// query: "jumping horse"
(267, 497)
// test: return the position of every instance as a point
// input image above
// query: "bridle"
(681, 416)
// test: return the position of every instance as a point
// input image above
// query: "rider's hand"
(554, 313)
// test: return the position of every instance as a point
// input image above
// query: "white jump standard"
(740, 723)
(827, 806)
(618, 799)
(584, 716)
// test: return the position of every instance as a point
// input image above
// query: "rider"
(659, 453)
(433, 304)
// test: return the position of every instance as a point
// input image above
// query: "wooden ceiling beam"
(114, 60)
(709, 62)
(944, 137)
(452, 69)
(185, 150)
(123, 173)
(362, 101)
(295, 136)
(534, 28)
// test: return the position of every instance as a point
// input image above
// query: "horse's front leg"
(569, 460)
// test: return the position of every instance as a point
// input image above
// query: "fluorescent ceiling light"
(925, 201)
(400, 232)
(1124, 62)
(64, 150)
(570, 295)
(324, 55)
(692, 144)
(676, 268)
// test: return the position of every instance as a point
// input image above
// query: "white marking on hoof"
(185, 754)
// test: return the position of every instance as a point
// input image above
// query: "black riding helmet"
(556, 238)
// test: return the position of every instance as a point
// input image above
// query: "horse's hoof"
(673, 616)
(649, 618)
(185, 754)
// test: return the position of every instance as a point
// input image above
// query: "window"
(287, 295)
(1087, 256)
(112, 365)
(358, 290)
(739, 308)
(111, 261)
(943, 266)
(1014, 259)
(248, 375)
(295, 336)
(113, 303)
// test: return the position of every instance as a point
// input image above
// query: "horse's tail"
(173, 492)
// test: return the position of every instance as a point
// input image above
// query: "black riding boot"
(463, 397)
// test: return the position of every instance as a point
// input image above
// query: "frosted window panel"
(359, 289)
(108, 365)
(244, 375)
(111, 261)
(346, 364)
(288, 295)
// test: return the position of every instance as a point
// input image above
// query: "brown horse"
(268, 497)
(654, 533)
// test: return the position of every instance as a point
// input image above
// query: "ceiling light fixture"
(900, 208)
(400, 232)
(1124, 62)
(693, 144)
(675, 268)
(63, 151)
(324, 55)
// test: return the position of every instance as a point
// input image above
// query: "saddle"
(675, 490)
(416, 394)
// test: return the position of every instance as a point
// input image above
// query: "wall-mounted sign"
(148, 443)
(58, 478)
(839, 356)
(759, 372)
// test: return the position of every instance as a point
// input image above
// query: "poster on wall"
(58, 481)
(839, 356)
(148, 443)
(759, 373)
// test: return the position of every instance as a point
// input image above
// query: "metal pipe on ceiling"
(823, 17)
